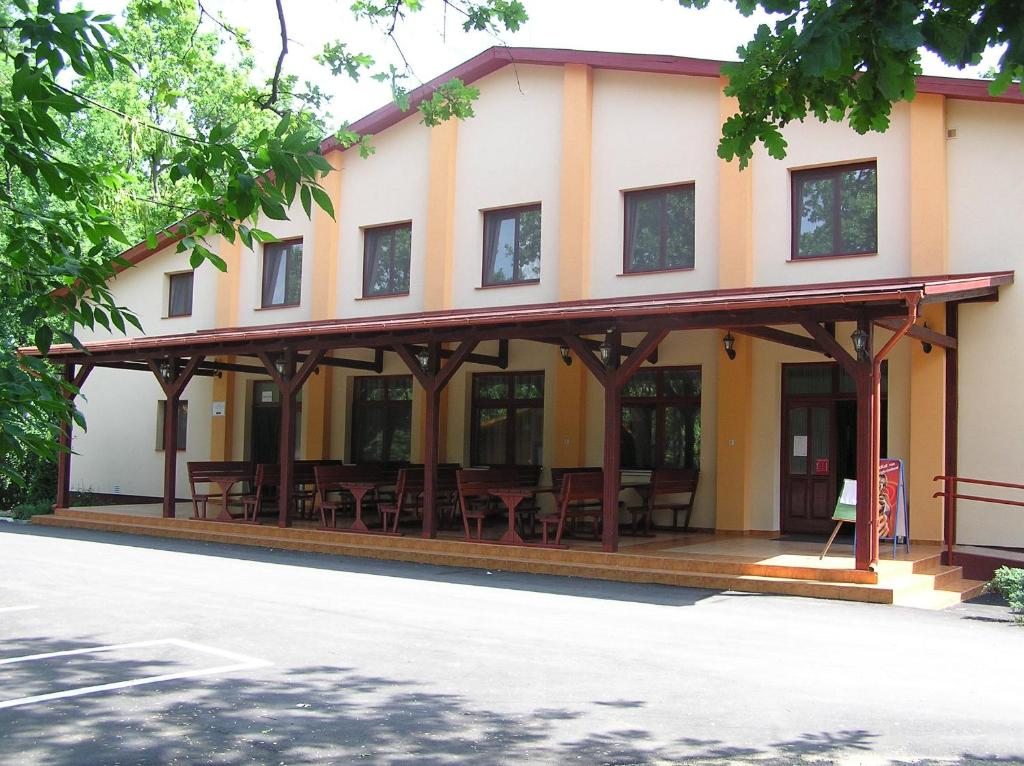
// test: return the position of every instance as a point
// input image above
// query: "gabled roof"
(498, 57)
(736, 307)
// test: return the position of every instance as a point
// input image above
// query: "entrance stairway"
(922, 582)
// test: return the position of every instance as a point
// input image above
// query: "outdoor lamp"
(860, 343)
(925, 345)
(423, 357)
(729, 342)
(606, 351)
(165, 370)
(279, 364)
(566, 356)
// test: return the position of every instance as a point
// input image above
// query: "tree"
(851, 60)
(64, 76)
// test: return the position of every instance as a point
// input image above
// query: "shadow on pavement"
(333, 714)
(663, 595)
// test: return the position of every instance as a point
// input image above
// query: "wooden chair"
(475, 500)
(408, 491)
(268, 475)
(557, 474)
(579, 498)
(667, 481)
(329, 478)
(304, 481)
(207, 472)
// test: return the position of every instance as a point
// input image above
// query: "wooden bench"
(214, 473)
(579, 498)
(665, 482)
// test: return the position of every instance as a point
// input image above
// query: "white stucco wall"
(986, 203)
(810, 144)
(389, 187)
(652, 130)
(509, 154)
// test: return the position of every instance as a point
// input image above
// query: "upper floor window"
(659, 229)
(282, 273)
(507, 418)
(179, 294)
(512, 245)
(386, 252)
(835, 211)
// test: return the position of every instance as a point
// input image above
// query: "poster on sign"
(893, 514)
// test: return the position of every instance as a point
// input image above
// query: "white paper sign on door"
(800, 446)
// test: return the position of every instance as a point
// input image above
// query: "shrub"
(1009, 583)
(28, 510)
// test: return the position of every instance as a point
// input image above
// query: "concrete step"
(504, 558)
(699, 564)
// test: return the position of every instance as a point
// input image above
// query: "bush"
(28, 510)
(40, 482)
(1009, 583)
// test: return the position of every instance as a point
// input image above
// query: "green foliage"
(112, 133)
(25, 511)
(849, 60)
(1008, 582)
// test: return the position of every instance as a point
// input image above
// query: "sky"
(434, 42)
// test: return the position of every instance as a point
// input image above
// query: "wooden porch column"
(613, 378)
(866, 372)
(433, 378)
(172, 377)
(74, 382)
(289, 381)
(952, 429)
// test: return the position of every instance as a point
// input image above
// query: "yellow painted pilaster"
(929, 254)
(316, 394)
(440, 245)
(929, 227)
(735, 214)
(734, 491)
(574, 254)
(735, 416)
(222, 426)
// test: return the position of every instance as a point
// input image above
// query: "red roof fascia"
(726, 301)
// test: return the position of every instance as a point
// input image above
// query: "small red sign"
(821, 465)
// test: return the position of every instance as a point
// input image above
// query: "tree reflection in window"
(512, 245)
(835, 211)
(661, 425)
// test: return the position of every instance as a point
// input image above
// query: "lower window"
(161, 408)
(382, 419)
(507, 419)
(661, 419)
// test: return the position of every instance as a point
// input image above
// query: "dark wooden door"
(808, 466)
(266, 434)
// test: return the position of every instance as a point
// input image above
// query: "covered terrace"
(433, 345)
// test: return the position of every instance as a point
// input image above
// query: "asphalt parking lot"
(128, 650)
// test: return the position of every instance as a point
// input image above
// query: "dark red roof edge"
(944, 287)
(497, 57)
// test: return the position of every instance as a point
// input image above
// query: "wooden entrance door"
(808, 466)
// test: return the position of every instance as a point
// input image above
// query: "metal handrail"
(951, 495)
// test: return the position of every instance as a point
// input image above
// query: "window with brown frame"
(179, 294)
(659, 229)
(661, 419)
(835, 211)
(161, 408)
(382, 418)
(282, 274)
(386, 256)
(512, 246)
(507, 426)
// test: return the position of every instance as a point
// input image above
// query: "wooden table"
(226, 482)
(512, 497)
(359, 490)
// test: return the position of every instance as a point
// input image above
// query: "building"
(586, 199)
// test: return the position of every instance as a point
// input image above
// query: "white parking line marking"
(17, 608)
(240, 662)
